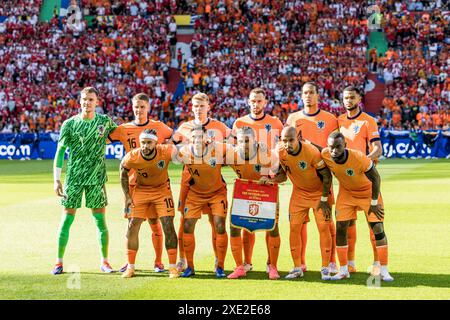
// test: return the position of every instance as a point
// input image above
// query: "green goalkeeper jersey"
(86, 140)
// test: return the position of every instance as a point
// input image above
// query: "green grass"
(416, 196)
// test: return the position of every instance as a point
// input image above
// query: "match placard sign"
(254, 206)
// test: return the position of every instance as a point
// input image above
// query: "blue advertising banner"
(415, 144)
(42, 146)
(396, 144)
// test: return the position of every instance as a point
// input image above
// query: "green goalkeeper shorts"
(95, 196)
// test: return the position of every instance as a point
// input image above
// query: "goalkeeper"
(85, 135)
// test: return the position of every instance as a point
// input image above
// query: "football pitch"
(416, 194)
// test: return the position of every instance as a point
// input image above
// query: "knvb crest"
(101, 130)
(161, 164)
(268, 127)
(211, 134)
(212, 163)
(356, 129)
(350, 172)
(302, 165)
(320, 124)
(253, 209)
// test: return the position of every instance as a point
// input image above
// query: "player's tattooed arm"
(374, 177)
(323, 203)
(125, 187)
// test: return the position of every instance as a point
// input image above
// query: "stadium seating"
(236, 46)
(415, 69)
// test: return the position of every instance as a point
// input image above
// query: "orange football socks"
(342, 255)
(295, 242)
(189, 247)
(213, 234)
(304, 241)
(236, 249)
(248, 240)
(131, 256)
(157, 239)
(274, 249)
(333, 242)
(180, 239)
(172, 254)
(221, 246)
(383, 255)
(374, 246)
(351, 240)
(325, 242)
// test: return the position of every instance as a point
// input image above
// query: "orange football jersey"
(314, 127)
(359, 131)
(351, 174)
(301, 168)
(267, 129)
(128, 133)
(205, 170)
(253, 168)
(216, 130)
(152, 172)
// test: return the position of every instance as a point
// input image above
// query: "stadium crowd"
(279, 47)
(415, 67)
(237, 45)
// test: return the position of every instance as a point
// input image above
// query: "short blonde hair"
(258, 91)
(201, 97)
(140, 96)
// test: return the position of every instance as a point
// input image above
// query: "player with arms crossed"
(204, 160)
(251, 161)
(314, 125)
(128, 135)
(361, 133)
(311, 180)
(152, 190)
(267, 130)
(359, 189)
(85, 135)
(217, 131)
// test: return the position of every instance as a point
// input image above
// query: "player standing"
(361, 133)
(311, 180)
(251, 161)
(85, 135)
(359, 189)
(151, 198)
(267, 130)
(314, 125)
(128, 135)
(204, 161)
(216, 131)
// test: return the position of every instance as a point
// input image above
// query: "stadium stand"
(415, 68)
(236, 45)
